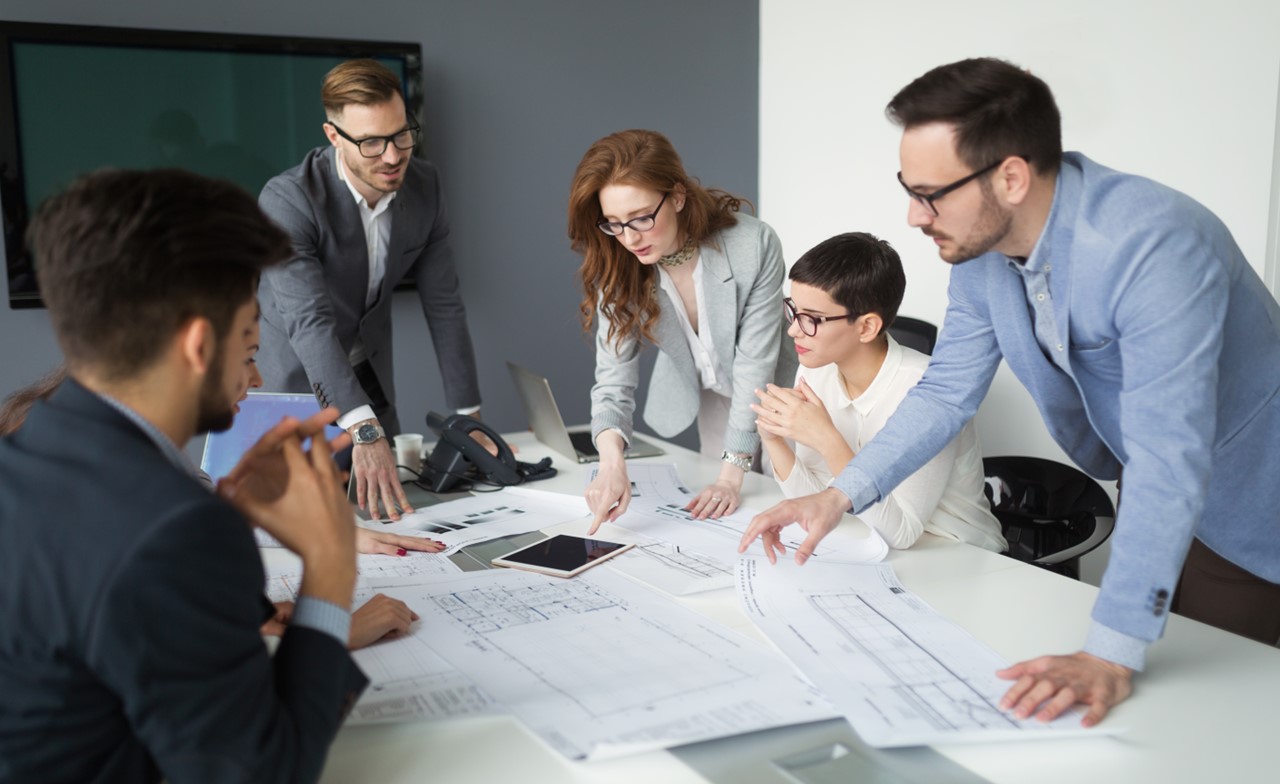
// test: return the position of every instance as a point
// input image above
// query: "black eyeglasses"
(640, 223)
(375, 146)
(927, 199)
(809, 322)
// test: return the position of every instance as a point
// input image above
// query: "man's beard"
(216, 412)
(992, 227)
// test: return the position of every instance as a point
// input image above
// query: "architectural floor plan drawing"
(599, 666)
(902, 674)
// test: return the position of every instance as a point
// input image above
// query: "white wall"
(1183, 92)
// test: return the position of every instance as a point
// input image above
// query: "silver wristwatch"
(741, 461)
(368, 433)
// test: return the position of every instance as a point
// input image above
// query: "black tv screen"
(75, 99)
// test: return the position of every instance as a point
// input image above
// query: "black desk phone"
(459, 458)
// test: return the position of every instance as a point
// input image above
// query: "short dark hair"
(124, 258)
(861, 272)
(998, 110)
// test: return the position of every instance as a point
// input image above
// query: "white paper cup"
(408, 454)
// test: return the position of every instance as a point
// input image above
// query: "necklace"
(681, 256)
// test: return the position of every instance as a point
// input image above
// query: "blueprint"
(480, 518)
(599, 666)
(373, 572)
(657, 512)
(675, 569)
(902, 674)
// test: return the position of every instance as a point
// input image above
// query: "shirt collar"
(881, 383)
(166, 446)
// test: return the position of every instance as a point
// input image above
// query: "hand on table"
(818, 514)
(721, 498)
(373, 467)
(608, 495)
(1049, 685)
(797, 414)
(379, 618)
(378, 543)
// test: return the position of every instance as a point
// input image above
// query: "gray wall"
(515, 92)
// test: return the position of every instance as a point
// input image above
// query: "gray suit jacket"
(742, 286)
(313, 308)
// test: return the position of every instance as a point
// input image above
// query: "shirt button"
(1059, 346)
(1048, 268)
(1040, 298)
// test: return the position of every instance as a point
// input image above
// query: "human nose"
(392, 154)
(918, 214)
(793, 329)
(629, 235)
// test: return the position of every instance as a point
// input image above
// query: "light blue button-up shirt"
(1147, 341)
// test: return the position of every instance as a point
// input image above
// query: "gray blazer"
(742, 286)
(313, 308)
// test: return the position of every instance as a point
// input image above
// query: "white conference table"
(1205, 709)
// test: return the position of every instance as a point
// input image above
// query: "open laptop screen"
(258, 413)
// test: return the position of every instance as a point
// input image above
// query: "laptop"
(548, 425)
(259, 412)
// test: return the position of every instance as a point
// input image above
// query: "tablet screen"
(562, 554)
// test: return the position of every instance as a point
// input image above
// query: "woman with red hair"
(670, 262)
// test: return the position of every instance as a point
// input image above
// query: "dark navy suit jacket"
(130, 601)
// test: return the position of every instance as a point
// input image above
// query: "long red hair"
(612, 278)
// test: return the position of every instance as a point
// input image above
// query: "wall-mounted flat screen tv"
(240, 107)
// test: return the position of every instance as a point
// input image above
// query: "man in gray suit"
(363, 214)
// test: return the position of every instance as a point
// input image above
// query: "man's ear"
(870, 325)
(330, 133)
(1013, 180)
(198, 344)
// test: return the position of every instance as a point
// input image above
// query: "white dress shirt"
(377, 234)
(944, 497)
(700, 343)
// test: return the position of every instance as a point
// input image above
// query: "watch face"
(366, 434)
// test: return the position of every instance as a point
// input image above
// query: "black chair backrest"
(914, 333)
(1050, 513)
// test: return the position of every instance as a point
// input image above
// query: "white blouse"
(944, 497)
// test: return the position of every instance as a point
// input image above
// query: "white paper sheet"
(373, 572)
(902, 674)
(598, 666)
(480, 518)
(672, 568)
(410, 681)
(657, 512)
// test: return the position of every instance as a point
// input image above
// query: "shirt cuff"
(626, 443)
(469, 410)
(857, 487)
(357, 414)
(1107, 643)
(325, 617)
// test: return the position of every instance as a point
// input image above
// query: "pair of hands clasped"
(299, 498)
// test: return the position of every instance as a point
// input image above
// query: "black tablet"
(562, 555)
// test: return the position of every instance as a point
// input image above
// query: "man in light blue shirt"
(1147, 341)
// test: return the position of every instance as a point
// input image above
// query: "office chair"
(914, 333)
(1050, 513)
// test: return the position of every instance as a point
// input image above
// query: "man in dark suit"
(363, 214)
(131, 597)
